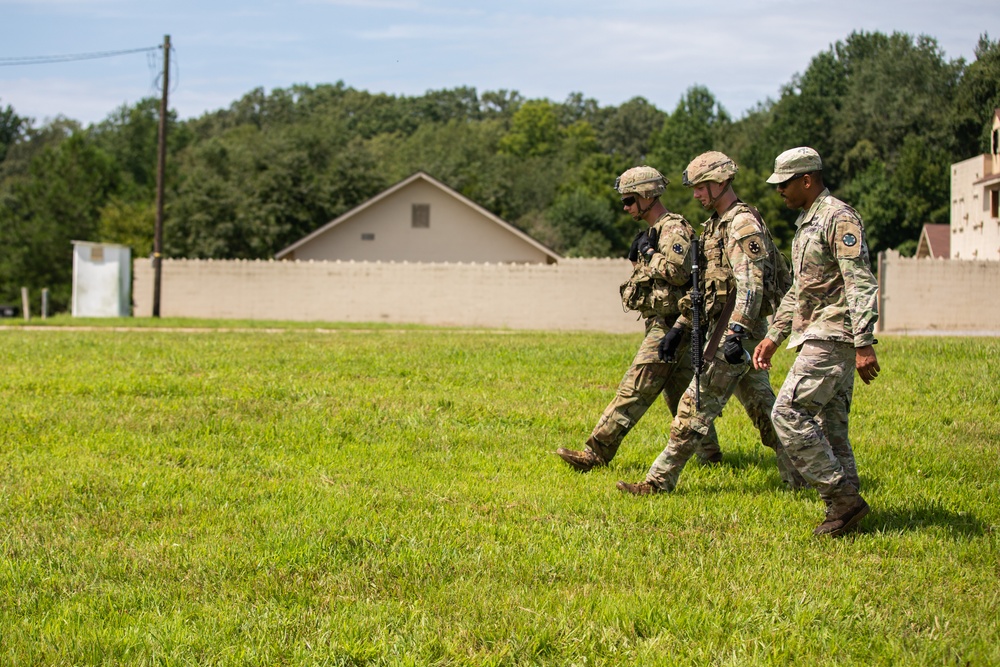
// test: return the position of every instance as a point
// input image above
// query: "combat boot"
(637, 489)
(712, 460)
(842, 515)
(583, 461)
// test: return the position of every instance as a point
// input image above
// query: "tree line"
(888, 113)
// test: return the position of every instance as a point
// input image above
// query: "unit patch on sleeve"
(753, 246)
(848, 238)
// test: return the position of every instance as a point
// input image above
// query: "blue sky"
(744, 51)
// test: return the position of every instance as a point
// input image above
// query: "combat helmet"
(643, 181)
(710, 166)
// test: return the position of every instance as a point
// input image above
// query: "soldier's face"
(632, 204)
(703, 193)
(793, 192)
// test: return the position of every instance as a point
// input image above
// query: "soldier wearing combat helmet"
(829, 315)
(744, 278)
(661, 272)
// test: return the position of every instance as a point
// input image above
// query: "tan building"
(419, 219)
(975, 203)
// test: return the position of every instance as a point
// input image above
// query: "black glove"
(633, 252)
(646, 247)
(670, 343)
(732, 349)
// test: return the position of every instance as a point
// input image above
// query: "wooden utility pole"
(161, 164)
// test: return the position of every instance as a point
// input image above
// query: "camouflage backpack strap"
(777, 272)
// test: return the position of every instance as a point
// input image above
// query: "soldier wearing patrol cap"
(830, 314)
(744, 279)
(661, 273)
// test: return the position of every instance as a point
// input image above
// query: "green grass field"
(390, 497)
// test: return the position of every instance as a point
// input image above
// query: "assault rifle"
(696, 303)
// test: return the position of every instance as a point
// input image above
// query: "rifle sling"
(720, 327)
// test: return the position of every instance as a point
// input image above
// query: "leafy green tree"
(12, 129)
(696, 125)
(59, 202)
(130, 223)
(582, 225)
(976, 100)
(535, 131)
(251, 192)
(627, 130)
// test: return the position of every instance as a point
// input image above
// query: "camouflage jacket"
(654, 288)
(834, 295)
(739, 255)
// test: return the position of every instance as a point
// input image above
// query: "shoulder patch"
(754, 246)
(675, 248)
(847, 238)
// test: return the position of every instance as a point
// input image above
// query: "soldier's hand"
(646, 248)
(633, 252)
(866, 362)
(670, 343)
(762, 354)
(733, 350)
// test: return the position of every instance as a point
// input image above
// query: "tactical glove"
(670, 343)
(732, 349)
(646, 248)
(633, 253)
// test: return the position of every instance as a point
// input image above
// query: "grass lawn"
(389, 496)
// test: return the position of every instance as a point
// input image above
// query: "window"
(995, 203)
(996, 141)
(368, 237)
(421, 216)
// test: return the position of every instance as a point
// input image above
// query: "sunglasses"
(628, 201)
(784, 184)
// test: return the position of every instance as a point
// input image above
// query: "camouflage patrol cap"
(795, 161)
(710, 166)
(643, 181)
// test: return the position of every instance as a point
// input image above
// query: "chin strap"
(643, 211)
(713, 200)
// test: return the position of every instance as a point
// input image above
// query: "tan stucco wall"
(922, 295)
(580, 294)
(918, 295)
(456, 233)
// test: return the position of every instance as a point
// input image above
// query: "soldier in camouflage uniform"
(830, 312)
(661, 273)
(744, 279)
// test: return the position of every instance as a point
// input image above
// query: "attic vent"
(368, 237)
(421, 216)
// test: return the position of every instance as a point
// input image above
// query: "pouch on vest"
(635, 291)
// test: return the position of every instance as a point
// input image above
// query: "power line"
(42, 60)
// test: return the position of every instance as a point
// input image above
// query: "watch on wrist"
(737, 329)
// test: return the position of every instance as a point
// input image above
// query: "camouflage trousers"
(811, 416)
(645, 380)
(719, 381)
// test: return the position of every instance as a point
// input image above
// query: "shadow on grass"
(634, 470)
(903, 519)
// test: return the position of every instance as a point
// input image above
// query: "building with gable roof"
(935, 242)
(419, 219)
